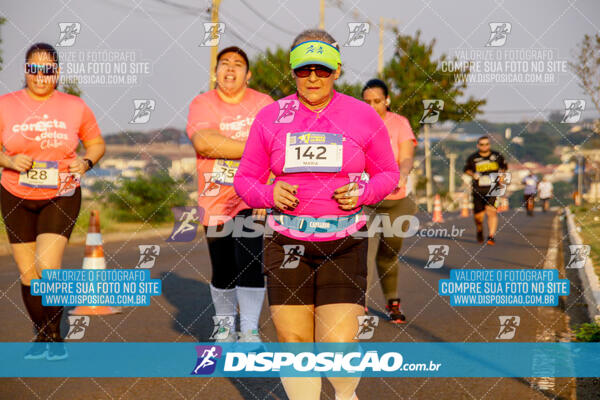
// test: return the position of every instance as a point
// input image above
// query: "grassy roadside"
(108, 223)
(587, 217)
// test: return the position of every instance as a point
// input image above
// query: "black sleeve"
(502, 162)
(469, 165)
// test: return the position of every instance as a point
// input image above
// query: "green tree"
(413, 75)
(147, 199)
(587, 68)
(271, 73)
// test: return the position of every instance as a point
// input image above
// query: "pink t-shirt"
(215, 176)
(400, 131)
(47, 130)
(319, 152)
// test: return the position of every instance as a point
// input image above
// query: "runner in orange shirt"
(218, 125)
(40, 197)
(399, 202)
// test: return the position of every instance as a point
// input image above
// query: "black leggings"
(236, 261)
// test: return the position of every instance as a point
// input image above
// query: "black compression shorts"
(26, 219)
(304, 273)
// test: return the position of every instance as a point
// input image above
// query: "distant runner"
(546, 191)
(529, 192)
(479, 166)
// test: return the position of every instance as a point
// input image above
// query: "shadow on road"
(194, 318)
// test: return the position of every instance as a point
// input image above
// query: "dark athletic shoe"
(394, 313)
(491, 241)
(480, 237)
(56, 351)
(38, 351)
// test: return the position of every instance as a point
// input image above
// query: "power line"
(238, 23)
(262, 17)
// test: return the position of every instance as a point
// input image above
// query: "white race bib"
(224, 171)
(484, 180)
(313, 152)
(43, 174)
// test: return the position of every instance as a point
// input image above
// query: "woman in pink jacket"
(316, 142)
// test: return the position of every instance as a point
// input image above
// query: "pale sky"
(164, 36)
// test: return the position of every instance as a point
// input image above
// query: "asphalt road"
(183, 314)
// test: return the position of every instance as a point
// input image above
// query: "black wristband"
(89, 163)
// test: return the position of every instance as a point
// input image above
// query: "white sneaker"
(251, 336)
(231, 336)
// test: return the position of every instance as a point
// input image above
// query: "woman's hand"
(347, 196)
(20, 162)
(284, 195)
(78, 166)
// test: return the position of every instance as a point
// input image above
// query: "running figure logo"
(292, 254)
(358, 32)
(287, 111)
(68, 33)
(437, 255)
(579, 255)
(573, 111)
(223, 325)
(186, 223)
(508, 326)
(148, 255)
(77, 326)
(360, 179)
(431, 114)
(207, 359)
(68, 183)
(366, 326)
(500, 181)
(211, 187)
(499, 33)
(142, 109)
(212, 33)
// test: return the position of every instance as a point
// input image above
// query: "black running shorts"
(480, 200)
(25, 219)
(305, 273)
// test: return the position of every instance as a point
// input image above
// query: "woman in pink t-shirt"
(40, 129)
(218, 124)
(397, 204)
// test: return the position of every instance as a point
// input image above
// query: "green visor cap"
(315, 52)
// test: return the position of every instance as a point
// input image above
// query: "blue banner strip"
(309, 359)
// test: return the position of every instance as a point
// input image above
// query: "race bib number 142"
(313, 152)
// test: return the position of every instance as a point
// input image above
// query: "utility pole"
(451, 184)
(322, 14)
(428, 187)
(214, 18)
(580, 178)
(382, 22)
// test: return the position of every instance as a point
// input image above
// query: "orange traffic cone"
(503, 204)
(464, 212)
(437, 209)
(94, 259)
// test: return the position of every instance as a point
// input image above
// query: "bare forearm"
(5, 160)
(95, 152)
(406, 153)
(214, 145)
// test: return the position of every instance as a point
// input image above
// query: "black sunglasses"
(47, 69)
(320, 71)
